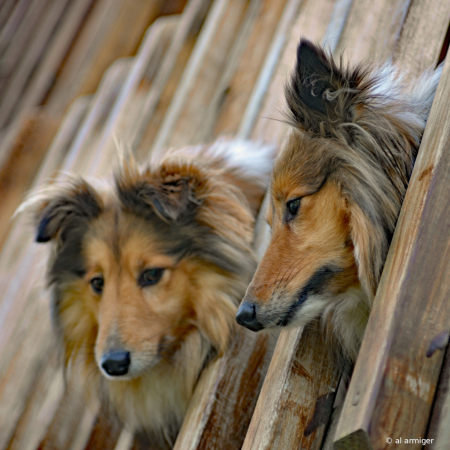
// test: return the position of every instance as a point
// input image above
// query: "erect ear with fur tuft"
(311, 93)
(171, 197)
(64, 209)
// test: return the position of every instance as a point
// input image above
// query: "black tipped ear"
(312, 77)
(171, 198)
(65, 210)
(311, 93)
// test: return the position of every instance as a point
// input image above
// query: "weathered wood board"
(393, 385)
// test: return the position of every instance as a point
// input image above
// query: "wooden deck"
(155, 73)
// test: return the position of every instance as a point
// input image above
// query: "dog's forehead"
(301, 167)
(121, 240)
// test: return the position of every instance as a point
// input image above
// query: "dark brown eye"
(293, 206)
(150, 276)
(97, 284)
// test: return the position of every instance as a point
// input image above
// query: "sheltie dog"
(335, 194)
(146, 273)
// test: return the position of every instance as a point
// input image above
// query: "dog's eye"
(97, 284)
(293, 207)
(150, 276)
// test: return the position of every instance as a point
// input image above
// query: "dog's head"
(335, 192)
(141, 264)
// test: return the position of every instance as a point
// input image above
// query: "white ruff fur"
(159, 399)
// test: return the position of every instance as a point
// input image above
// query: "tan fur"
(185, 215)
(346, 161)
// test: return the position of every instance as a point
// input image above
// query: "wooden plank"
(25, 66)
(82, 150)
(267, 72)
(6, 10)
(155, 42)
(297, 397)
(219, 62)
(424, 32)
(18, 37)
(45, 73)
(11, 17)
(51, 163)
(399, 376)
(312, 23)
(373, 34)
(222, 406)
(233, 92)
(17, 381)
(144, 137)
(70, 419)
(23, 150)
(105, 433)
(113, 30)
(193, 15)
(382, 359)
(211, 31)
(41, 406)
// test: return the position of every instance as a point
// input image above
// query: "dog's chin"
(299, 315)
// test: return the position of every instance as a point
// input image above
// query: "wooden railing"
(219, 69)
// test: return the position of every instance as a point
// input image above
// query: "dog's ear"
(62, 208)
(318, 93)
(170, 195)
(371, 244)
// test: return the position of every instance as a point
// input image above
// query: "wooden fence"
(218, 68)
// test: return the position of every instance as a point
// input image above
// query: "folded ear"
(170, 195)
(61, 208)
(318, 94)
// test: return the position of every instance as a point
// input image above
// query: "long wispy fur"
(170, 242)
(347, 160)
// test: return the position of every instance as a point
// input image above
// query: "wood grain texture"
(298, 394)
(113, 30)
(186, 114)
(154, 44)
(392, 373)
(163, 85)
(24, 149)
(392, 352)
(242, 67)
(224, 400)
(372, 29)
(311, 22)
(422, 35)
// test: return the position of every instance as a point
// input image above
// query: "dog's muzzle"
(247, 316)
(116, 362)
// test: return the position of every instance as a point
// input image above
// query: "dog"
(146, 272)
(335, 195)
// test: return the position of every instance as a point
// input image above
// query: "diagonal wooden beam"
(394, 382)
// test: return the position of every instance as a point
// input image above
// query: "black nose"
(116, 362)
(246, 316)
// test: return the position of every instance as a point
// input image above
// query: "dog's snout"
(116, 362)
(247, 317)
